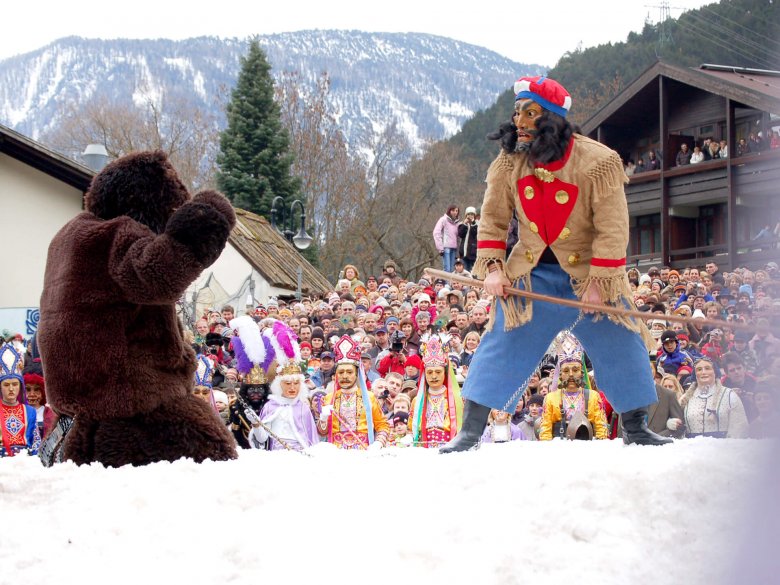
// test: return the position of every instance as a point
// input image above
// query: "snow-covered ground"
(522, 513)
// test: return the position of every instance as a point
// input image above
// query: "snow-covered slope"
(429, 84)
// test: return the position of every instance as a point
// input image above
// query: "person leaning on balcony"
(714, 150)
(697, 155)
(684, 156)
(653, 163)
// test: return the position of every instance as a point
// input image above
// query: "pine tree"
(254, 156)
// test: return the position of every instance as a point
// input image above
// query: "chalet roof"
(275, 258)
(749, 87)
(44, 159)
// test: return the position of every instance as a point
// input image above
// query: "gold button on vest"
(529, 192)
(533, 227)
(562, 197)
(574, 259)
(529, 256)
(565, 233)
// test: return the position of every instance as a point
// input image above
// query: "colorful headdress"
(253, 352)
(10, 362)
(11, 367)
(435, 350)
(568, 348)
(286, 351)
(204, 371)
(347, 351)
(546, 92)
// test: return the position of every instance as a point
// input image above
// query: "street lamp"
(284, 222)
(280, 218)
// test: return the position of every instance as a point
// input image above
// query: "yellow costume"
(350, 409)
(551, 414)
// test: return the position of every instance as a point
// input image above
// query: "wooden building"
(725, 209)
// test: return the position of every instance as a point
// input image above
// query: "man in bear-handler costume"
(110, 341)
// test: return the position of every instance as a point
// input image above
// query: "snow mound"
(520, 513)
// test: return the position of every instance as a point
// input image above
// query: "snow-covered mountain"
(431, 85)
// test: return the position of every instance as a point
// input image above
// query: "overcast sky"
(516, 29)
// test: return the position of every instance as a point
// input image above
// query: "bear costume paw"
(185, 426)
(203, 225)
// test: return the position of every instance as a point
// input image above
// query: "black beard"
(576, 380)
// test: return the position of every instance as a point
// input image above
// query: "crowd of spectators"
(388, 314)
(708, 149)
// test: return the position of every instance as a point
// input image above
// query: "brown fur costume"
(109, 338)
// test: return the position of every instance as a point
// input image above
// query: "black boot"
(635, 429)
(475, 418)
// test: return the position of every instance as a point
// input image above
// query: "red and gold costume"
(357, 420)
(574, 403)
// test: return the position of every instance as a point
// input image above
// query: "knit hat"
(668, 335)
(220, 396)
(414, 360)
(400, 418)
(471, 210)
(546, 92)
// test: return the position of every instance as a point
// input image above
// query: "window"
(712, 224)
(646, 236)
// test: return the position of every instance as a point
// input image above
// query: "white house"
(258, 263)
(40, 191)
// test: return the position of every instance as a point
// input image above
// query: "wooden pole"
(610, 310)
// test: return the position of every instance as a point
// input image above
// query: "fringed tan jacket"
(576, 206)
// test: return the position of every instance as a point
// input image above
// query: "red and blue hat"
(546, 92)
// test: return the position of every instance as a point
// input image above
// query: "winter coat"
(467, 240)
(445, 234)
(672, 361)
(576, 206)
(717, 411)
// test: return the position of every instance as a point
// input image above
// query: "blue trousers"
(448, 260)
(505, 359)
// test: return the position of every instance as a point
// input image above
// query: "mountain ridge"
(430, 84)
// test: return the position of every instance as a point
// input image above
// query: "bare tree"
(333, 180)
(172, 123)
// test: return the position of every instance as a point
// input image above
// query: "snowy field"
(522, 513)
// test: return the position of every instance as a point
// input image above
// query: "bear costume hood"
(142, 185)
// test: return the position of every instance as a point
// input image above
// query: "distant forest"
(742, 33)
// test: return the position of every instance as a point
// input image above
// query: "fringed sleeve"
(610, 221)
(496, 213)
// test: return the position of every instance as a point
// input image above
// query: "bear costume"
(109, 338)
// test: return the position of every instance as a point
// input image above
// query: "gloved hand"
(326, 410)
(674, 424)
(252, 417)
